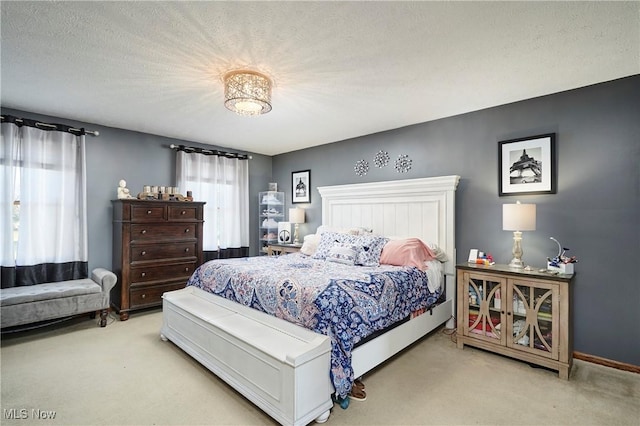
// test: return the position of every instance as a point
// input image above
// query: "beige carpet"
(125, 375)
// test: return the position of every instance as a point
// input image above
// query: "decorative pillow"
(438, 253)
(343, 253)
(327, 239)
(407, 252)
(310, 244)
(371, 249)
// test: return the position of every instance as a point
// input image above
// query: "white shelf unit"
(271, 212)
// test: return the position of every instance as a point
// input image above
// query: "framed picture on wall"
(301, 186)
(527, 165)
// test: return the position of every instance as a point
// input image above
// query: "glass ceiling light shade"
(247, 92)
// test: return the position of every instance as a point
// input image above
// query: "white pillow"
(310, 244)
(437, 251)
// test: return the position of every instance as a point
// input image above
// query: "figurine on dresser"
(123, 191)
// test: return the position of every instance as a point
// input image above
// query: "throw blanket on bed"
(346, 303)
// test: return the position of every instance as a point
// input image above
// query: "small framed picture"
(527, 165)
(301, 186)
(273, 186)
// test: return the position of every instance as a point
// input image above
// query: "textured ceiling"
(341, 69)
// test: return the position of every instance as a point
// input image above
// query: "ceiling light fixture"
(247, 92)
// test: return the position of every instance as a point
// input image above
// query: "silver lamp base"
(295, 234)
(516, 262)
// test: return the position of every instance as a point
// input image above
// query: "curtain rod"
(35, 123)
(189, 149)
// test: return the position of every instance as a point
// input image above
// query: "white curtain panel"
(8, 155)
(223, 183)
(49, 175)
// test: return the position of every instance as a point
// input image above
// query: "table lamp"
(517, 218)
(296, 216)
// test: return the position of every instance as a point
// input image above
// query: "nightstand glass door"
(485, 310)
(532, 325)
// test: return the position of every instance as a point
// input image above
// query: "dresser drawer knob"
(148, 211)
(143, 296)
(186, 269)
(183, 212)
(144, 231)
(187, 230)
(143, 274)
(186, 250)
(143, 253)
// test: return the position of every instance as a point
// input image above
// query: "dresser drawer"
(152, 296)
(156, 232)
(147, 213)
(141, 275)
(183, 213)
(151, 252)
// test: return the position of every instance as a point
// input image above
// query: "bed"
(290, 357)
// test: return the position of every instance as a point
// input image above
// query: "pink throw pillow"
(407, 252)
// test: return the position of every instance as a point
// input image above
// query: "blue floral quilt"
(346, 303)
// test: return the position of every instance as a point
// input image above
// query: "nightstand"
(282, 248)
(517, 313)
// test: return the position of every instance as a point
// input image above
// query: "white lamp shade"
(296, 215)
(519, 217)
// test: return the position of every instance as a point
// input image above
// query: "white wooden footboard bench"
(280, 367)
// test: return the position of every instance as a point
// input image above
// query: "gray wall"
(595, 211)
(140, 159)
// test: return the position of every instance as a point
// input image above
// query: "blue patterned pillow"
(344, 253)
(371, 249)
(327, 240)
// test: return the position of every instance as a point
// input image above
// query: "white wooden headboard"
(422, 208)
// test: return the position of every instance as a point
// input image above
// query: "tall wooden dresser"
(156, 247)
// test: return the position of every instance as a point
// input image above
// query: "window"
(223, 183)
(43, 203)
